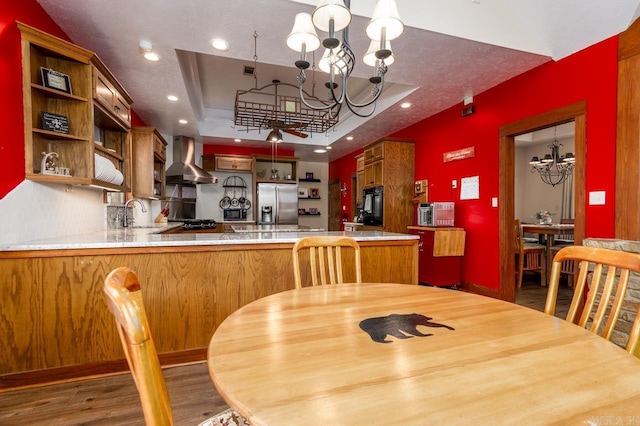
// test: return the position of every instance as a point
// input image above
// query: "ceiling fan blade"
(295, 133)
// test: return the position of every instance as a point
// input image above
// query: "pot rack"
(234, 186)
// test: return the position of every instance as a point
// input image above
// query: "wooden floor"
(533, 295)
(114, 400)
(111, 400)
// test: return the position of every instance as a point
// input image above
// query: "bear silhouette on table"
(402, 326)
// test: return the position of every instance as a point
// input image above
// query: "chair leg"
(520, 270)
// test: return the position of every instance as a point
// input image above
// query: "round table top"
(406, 354)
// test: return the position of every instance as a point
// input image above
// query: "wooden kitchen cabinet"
(233, 163)
(374, 152)
(373, 174)
(148, 157)
(110, 96)
(440, 252)
(359, 179)
(390, 163)
(58, 80)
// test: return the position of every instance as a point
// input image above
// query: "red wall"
(12, 141)
(589, 75)
(243, 150)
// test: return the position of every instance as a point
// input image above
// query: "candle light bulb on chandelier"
(339, 60)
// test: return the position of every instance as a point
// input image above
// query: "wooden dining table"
(546, 235)
(378, 354)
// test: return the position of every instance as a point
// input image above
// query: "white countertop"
(275, 228)
(152, 236)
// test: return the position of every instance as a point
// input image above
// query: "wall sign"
(55, 122)
(460, 154)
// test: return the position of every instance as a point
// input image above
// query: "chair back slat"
(325, 259)
(598, 263)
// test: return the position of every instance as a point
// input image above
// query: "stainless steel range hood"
(184, 168)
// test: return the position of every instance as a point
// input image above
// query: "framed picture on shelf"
(55, 123)
(313, 210)
(309, 176)
(314, 193)
(55, 80)
(302, 211)
(303, 192)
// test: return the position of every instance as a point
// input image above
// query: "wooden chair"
(529, 257)
(566, 235)
(124, 298)
(618, 266)
(325, 258)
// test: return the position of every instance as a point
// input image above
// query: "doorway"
(335, 222)
(576, 113)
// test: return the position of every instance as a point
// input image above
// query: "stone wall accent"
(632, 298)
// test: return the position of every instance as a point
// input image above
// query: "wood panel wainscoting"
(56, 325)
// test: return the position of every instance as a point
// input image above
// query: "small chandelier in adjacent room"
(554, 168)
(339, 60)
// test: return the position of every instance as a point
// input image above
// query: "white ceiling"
(451, 49)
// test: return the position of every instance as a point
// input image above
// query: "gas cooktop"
(196, 223)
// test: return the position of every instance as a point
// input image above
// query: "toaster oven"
(436, 214)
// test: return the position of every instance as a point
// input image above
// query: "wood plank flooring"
(113, 400)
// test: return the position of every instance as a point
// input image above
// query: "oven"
(373, 206)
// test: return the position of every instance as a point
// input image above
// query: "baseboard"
(479, 289)
(49, 376)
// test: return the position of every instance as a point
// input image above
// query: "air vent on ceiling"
(248, 70)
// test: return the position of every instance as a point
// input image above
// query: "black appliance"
(234, 215)
(190, 224)
(373, 206)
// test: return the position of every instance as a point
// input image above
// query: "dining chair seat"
(124, 298)
(594, 302)
(323, 259)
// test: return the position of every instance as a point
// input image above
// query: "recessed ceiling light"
(220, 44)
(146, 49)
(320, 151)
(349, 138)
(172, 98)
(237, 140)
(405, 105)
(327, 147)
(182, 121)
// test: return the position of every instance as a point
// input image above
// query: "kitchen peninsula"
(56, 324)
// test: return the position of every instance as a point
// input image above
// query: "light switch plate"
(494, 202)
(454, 183)
(596, 198)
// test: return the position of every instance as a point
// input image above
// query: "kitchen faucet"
(125, 222)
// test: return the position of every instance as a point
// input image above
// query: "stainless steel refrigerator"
(277, 204)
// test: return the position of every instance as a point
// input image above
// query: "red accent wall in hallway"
(589, 75)
(12, 142)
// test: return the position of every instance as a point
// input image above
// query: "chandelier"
(339, 60)
(266, 108)
(554, 168)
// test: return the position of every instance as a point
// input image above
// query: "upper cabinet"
(228, 163)
(66, 139)
(109, 97)
(148, 158)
